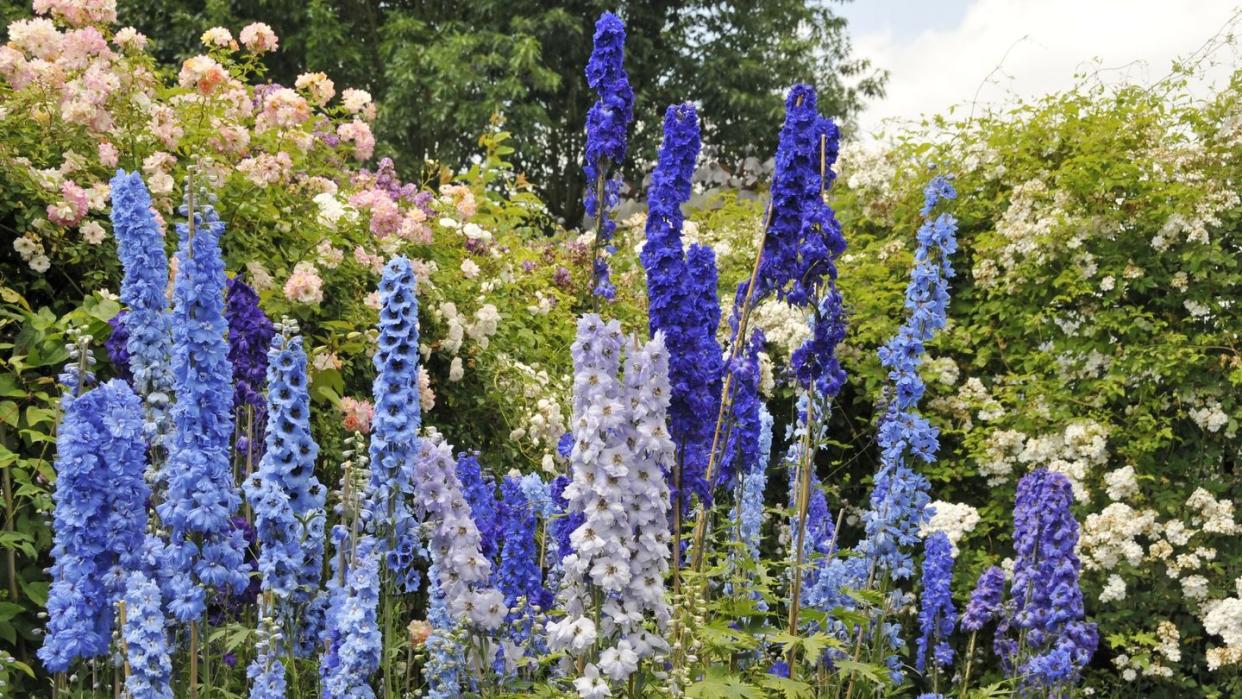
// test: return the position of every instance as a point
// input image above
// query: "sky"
(986, 53)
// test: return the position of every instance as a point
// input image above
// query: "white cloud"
(1006, 49)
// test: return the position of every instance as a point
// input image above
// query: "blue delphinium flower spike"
(606, 141)
(146, 641)
(202, 495)
(937, 615)
(98, 522)
(149, 340)
(394, 427)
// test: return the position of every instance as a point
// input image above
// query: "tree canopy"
(440, 70)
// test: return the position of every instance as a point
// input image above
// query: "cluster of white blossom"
(1210, 415)
(1223, 618)
(1026, 229)
(1076, 452)
(542, 422)
(956, 520)
(1148, 658)
(942, 370)
(1121, 483)
(871, 172)
(1112, 536)
(459, 326)
(784, 325)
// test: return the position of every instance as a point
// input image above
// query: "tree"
(439, 70)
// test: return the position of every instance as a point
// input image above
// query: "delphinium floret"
(117, 347)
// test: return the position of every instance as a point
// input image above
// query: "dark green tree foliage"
(440, 69)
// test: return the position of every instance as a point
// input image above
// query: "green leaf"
(725, 687)
(8, 610)
(36, 591)
(790, 689)
(873, 673)
(36, 416)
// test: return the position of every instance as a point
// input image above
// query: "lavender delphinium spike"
(455, 542)
(620, 551)
(98, 521)
(149, 340)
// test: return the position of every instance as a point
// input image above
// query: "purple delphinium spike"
(1046, 592)
(606, 141)
(250, 334)
(682, 302)
(937, 615)
(985, 601)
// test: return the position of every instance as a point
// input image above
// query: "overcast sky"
(941, 52)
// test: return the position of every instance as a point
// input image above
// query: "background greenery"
(439, 70)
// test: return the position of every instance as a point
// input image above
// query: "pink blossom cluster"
(356, 414)
(304, 284)
(77, 13)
